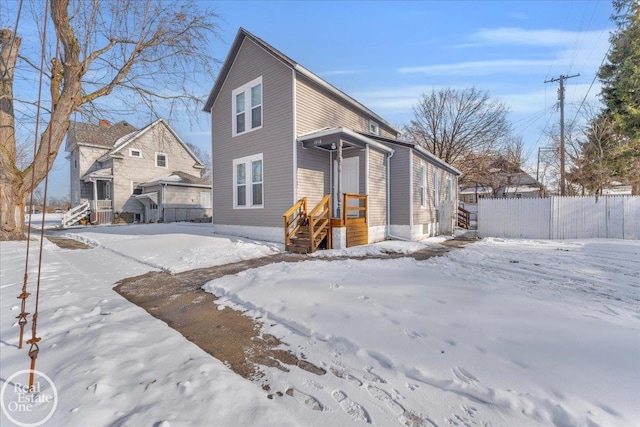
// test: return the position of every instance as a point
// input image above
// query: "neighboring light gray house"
(147, 175)
(287, 146)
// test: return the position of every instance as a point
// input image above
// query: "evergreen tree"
(620, 77)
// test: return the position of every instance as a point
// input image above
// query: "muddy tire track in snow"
(228, 335)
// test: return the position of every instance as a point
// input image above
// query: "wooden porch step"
(301, 243)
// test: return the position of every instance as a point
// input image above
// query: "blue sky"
(386, 54)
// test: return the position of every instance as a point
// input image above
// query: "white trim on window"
(436, 190)
(374, 128)
(165, 160)
(248, 182)
(246, 107)
(134, 152)
(423, 186)
(449, 190)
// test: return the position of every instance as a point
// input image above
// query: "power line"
(561, 79)
(590, 86)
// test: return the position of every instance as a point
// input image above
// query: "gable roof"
(235, 48)
(127, 139)
(179, 178)
(418, 149)
(96, 135)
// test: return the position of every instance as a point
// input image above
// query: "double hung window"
(247, 107)
(248, 189)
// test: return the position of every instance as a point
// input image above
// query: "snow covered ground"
(502, 332)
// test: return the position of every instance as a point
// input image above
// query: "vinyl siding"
(426, 215)
(399, 183)
(183, 204)
(313, 175)
(316, 109)
(377, 188)
(74, 176)
(273, 140)
(143, 169)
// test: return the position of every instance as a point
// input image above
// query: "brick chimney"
(105, 123)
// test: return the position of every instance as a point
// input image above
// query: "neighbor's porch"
(96, 189)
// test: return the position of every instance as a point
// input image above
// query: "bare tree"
(144, 53)
(497, 169)
(590, 168)
(459, 126)
(205, 158)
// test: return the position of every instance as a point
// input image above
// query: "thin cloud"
(516, 36)
(338, 72)
(400, 99)
(524, 66)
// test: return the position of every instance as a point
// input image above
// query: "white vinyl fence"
(613, 217)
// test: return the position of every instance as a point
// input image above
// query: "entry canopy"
(329, 139)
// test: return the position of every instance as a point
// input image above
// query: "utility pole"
(561, 79)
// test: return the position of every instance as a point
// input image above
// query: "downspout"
(94, 209)
(163, 187)
(339, 177)
(332, 187)
(295, 136)
(389, 235)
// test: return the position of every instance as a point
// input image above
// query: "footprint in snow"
(373, 378)
(342, 373)
(385, 398)
(412, 334)
(305, 399)
(355, 410)
(410, 419)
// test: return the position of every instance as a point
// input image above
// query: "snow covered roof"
(521, 189)
(153, 196)
(180, 178)
(126, 138)
(474, 190)
(98, 174)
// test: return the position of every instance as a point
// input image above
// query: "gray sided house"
(120, 172)
(284, 142)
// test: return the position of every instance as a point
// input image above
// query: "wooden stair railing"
(294, 218)
(355, 219)
(305, 231)
(360, 208)
(464, 218)
(320, 224)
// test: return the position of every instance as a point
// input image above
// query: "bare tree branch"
(141, 51)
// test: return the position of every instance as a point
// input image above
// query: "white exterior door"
(350, 180)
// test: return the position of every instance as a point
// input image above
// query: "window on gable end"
(374, 128)
(247, 107)
(161, 160)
